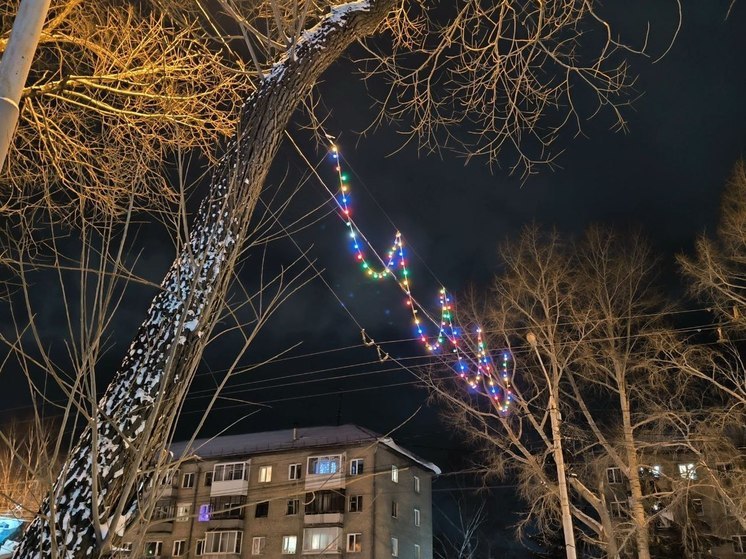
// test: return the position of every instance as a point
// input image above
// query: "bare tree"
(718, 267)
(114, 91)
(127, 429)
(584, 322)
(136, 414)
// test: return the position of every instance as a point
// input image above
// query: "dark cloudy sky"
(665, 175)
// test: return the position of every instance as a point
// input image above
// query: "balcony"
(323, 518)
(325, 472)
(229, 487)
(230, 479)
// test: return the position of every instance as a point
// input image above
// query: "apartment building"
(684, 496)
(341, 491)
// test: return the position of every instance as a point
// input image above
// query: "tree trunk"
(130, 425)
(639, 518)
(15, 66)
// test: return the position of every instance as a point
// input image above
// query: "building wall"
(374, 522)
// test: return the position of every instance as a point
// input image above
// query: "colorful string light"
(478, 370)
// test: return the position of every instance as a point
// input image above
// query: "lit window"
(322, 540)
(289, 544)
(257, 545)
(262, 510)
(229, 472)
(354, 543)
(395, 474)
(394, 547)
(179, 548)
(183, 512)
(394, 509)
(416, 517)
(293, 507)
(416, 484)
(204, 513)
(223, 542)
(323, 465)
(739, 544)
(152, 549)
(356, 503)
(356, 467)
(614, 475)
(265, 474)
(688, 471)
(417, 551)
(294, 471)
(187, 480)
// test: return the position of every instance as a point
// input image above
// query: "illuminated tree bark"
(96, 489)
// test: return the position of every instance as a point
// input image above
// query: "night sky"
(686, 130)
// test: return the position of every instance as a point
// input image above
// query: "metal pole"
(15, 65)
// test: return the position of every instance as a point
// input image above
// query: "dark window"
(356, 503)
(262, 510)
(323, 502)
(229, 506)
(293, 507)
(394, 509)
(163, 510)
(208, 479)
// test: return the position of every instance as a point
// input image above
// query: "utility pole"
(559, 459)
(15, 65)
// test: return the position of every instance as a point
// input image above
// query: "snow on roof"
(288, 439)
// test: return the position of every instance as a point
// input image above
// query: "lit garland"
(483, 374)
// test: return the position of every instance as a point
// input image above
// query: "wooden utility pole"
(15, 65)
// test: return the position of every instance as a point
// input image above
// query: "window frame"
(223, 466)
(265, 474)
(417, 551)
(295, 471)
(225, 507)
(394, 473)
(265, 509)
(158, 548)
(417, 485)
(210, 538)
(181, 544)
(417, 517)
(356, 539)
(333, 533)
(285, 548)
(614, 475)
(687, 470)
(183, 512)
(295, 507)
(357, 466)
(199, 547)
(358, 500)
(330, 458)
(258, 545)
(394, 508)
(394, 546)
(187, 480)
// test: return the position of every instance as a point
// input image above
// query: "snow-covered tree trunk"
(128, 429)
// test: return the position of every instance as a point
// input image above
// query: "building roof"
(288, 439)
